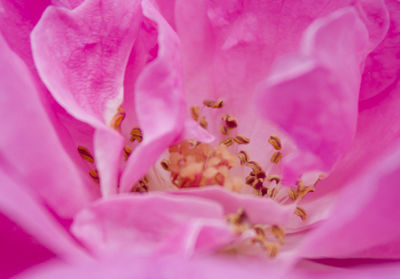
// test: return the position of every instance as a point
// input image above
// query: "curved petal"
(151, 224)
(313, 96)
(21, 207)
(255, 207)
(28, 144)
(159, 102)
(364, 217)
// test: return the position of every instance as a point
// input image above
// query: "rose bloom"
(200, 139)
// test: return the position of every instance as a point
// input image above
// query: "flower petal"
(151, 223)
(313, 96)
(21, 207)
(364, 216)
(28, 143)
(159, 102)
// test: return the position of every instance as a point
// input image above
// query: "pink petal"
(29, 147)
(151, 223)
(255, 207)
(159, 102)
(381, 69)
(365, 216)
(313, 96)
(13, 241)
(20, 206)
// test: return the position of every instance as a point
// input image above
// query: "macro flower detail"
(160, 139)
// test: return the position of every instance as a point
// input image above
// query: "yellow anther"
(141, 186)
(240, 139)
(127, 152)
(228, 141)
(203, 122)
(272, 248)
(85, 154)
(275, 178)
(223, 130)
(136, 134)
(95, 175)
(272, 192)
(250, 179)
(259, 230)
(257, 184)
(279, 232)
(254, 166)
(299, 211)
(165, 164)
(305, 191)
(292, 195)
(118, 118)
(214, 104)
(275, 142)
(194, 111)
(230, 121)
(276, 157)
(238, 220)
(243, 157)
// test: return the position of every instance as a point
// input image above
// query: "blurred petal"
(365, 215)
(28, 144)
(313, 96)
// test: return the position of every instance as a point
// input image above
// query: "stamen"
(243, 157)
(275, 178)
(85, 154)
(240, 139)
(279, 232)
(203, 122)
(165, 164)
(195, 113)
(254, 166)
(238, 220)
(227, 141)
(136, 134)
(118, 118)
(127, 152)
(95, 175)
(224, 130)
(142, 186)
(211, 104)
(250, 180)
(276, 157)
(275, 142)
(299, 211)
(230, 121)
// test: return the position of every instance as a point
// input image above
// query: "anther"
(230, 121)
(136, 134)
(257, 184)
(214, 104)
(292, 194)
(279, 232)
(194, 111)
(223, 130)
(85, 154)
(254, 166)
(261, 175)
(240, 139)
(275, 142)
(127, 152)
(95, 175)
(275, 178)
(243, 157)
(276, 157)
(264, 191)
(227, 141)
(118, 118)
(203, 122)
(272, 192)
(250, 179)
(299, 211)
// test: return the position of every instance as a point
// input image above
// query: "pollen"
(240, 139)
(230, 121)
(127, 152)
(85, 154)
(196, 165)
(136, 134)
(243, 157)
(203, 122)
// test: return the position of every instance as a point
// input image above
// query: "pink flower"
(226, 113)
